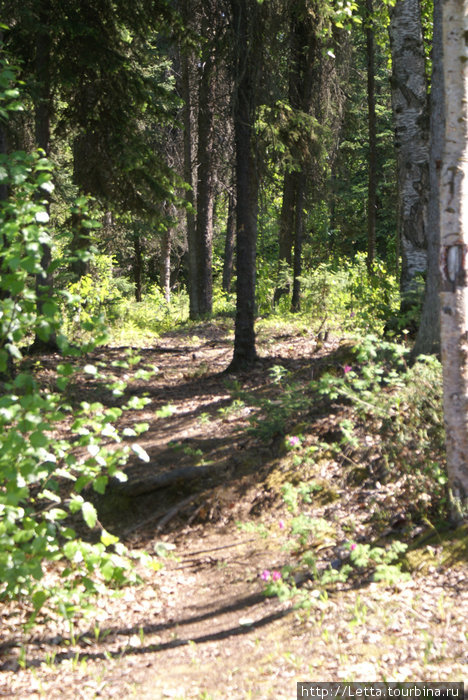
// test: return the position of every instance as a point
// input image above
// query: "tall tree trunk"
(302, 75)
(428, 338)
(80, 235)
(286, 230)
(298, 237)
(409, 102)
(3, 151)
(453, 259)
(205, 189)
(188, 117)
(42, 117)
(166, 263)
(372, 173)
(244, 19)
(4, 294)
(3, 136)
(229, 243)
(137, 265)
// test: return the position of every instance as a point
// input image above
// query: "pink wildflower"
(281, 525)
(353, 546)
(347, 368)
(276, 576)
(294, 441)
(265, 575)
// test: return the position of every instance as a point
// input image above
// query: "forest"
(233, 347)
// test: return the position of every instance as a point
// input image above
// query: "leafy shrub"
(306, 534)
(153, 313)
(344, 294)
(403, 406)
(93, 298)
(365, 301)
(44, 477)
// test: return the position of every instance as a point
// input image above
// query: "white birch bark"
(409, 104)
(428, 338)
(454, 240)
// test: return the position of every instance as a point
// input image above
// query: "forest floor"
(201, 627)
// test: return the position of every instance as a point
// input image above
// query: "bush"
(402, 406)
(94, 299)
(50, 453)
(349, 293)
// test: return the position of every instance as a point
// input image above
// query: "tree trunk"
(286, 230)
(428, 338)
(372, 173)
(42, 116)
(186, 91)
(298, 237)
(302, 76)
(137, 266)
(4, 294)
(166, 263)
(80, 235)
(409, 103)
(205, 189)
(229, 243)
(3, 151)
(453, 259)
(244, 18)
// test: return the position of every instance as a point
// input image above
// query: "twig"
(173, 511)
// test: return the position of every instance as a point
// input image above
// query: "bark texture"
(428, 338)
(453, 251)
(372, 127)
(205, 188)
(245, 18)
(138, 266)
(42, 117)
(304, 74)
(166, 249)
(229, 245)
(409, 103)
(186, 61)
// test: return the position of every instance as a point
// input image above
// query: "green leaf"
(142, 454)
(38, 599)
(100, 483)
(108, 539)
(38, 439)
(89, 514)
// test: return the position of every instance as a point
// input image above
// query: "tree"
(372, 119)
(205, 162)
(246, 30)
(186, 60)
(409, 100)
(98, 77)
(428, 337)
(229, 244)
(453, 259)
(304, 77)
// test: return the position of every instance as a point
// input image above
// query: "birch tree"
(454, 242)
(409, 102)
(428, 338)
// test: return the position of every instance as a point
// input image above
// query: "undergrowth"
(389, 430)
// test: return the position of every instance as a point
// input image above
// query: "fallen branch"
(173, 511)
(162, 481)
(164, 520)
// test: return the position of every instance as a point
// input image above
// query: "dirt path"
(201, 626)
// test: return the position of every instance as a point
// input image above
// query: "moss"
(441, 549)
